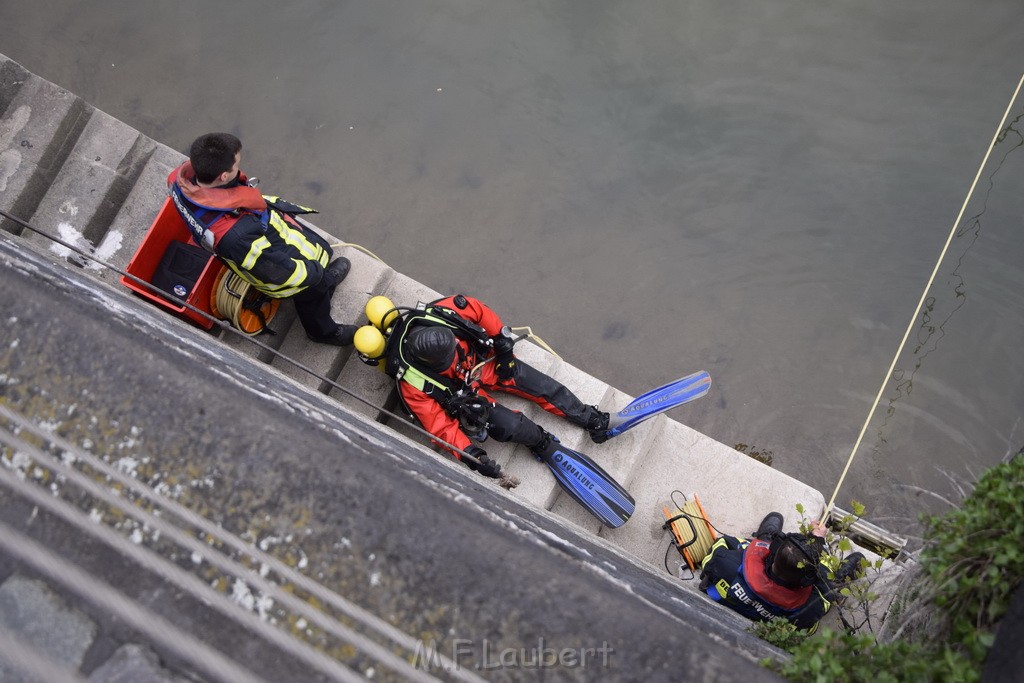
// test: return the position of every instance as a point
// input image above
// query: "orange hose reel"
(693, 535)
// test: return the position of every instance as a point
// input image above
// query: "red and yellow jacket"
(254, 235)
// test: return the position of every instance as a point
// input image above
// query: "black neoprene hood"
(433, 346)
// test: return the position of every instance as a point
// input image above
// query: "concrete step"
(39, 124)
(617, 456)
(281, 326)
(736, 491)
(367, 278)
(91, 186)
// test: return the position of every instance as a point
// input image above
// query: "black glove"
(505, 366)
(487, 467)
(503, 344)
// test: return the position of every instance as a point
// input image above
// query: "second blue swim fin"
(657, 401)
(588, 484)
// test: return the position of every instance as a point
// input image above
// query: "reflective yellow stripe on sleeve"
(294, 238)
(720, 543)
(255, 251)
(293, 285)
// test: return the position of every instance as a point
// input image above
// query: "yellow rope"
(363, 249)
(229, 297)
(701, 536)
(537, 340)
(700, 549)
(924, 295)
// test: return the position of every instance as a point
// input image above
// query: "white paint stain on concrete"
(72, 236)
(10, 157)
(110, 245)
(10, 160)
(12, 125)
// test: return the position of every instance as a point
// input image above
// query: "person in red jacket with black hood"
(258, 236)
(439, 349)
(776, 574)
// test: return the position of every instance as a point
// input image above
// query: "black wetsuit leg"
(533, 384)
(508, 425)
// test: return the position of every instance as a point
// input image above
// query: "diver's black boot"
(546, 447)
(770, 527)
(597, 425)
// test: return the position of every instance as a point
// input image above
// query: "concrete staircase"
(91, 180)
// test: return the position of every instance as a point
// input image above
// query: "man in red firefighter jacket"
(257, 236)
(438, 350)
(775, 574)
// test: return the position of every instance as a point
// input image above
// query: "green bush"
(843, 658)
(780, 632)
(969, 569)
(974, 562)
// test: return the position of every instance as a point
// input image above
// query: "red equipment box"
(156, 247)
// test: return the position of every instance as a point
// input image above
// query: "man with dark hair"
(258, 236)
(774, 574)
(213, 154)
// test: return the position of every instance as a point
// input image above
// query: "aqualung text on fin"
(590, 486)
(659, 400)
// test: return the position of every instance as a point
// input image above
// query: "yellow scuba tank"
(369, 342)
(381, 313)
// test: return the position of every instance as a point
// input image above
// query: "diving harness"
(383, 344)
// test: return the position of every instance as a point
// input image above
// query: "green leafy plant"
(852, 595)
(943, 623)
(842, 657)
(779, 632)
(970, 566)
(854, 592)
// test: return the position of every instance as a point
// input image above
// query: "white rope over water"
(920, 304)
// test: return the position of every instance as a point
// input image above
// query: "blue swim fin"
(657, 401)
(589, 485)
